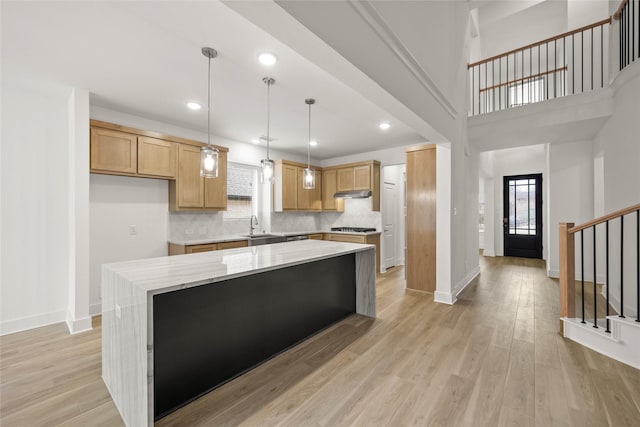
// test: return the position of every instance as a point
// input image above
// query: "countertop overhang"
(165, 274)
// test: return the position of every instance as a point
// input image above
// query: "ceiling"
(144, 58)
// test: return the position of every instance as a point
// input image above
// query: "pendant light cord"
(268, 113)
(309, 144)
(209, 107)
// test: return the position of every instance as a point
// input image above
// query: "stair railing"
(567, 250)
(628, 15)
(569, 63)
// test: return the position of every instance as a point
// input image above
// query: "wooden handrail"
(550, 39)
(618, 12)
(533, 76)
(604, 218)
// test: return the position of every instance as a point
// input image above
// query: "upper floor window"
(526, 92)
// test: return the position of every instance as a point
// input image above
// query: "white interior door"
(389, 224)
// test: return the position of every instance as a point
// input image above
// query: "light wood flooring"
(494, 358)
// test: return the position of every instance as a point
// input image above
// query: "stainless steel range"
(353, 229)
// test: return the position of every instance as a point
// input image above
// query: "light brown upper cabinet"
(355, 177)
(156, 157)
(329, 188)
(421, 218)
(113, 152)
(190, 191)
(288, 193)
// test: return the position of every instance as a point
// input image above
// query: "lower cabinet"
(175, 249)
(318, 236)
(370, 239)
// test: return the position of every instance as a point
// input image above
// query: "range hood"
(360, 194)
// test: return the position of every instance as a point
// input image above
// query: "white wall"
(570, 199)
(617, 152)
(116, 204)
(35, 201)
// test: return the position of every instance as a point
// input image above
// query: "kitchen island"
(174, 328)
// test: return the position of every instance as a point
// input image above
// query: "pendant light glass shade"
(208, 162)
(267, 166)
(209, 154)
(309, 175)
(309, 179)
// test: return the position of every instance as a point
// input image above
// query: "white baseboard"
(465, 281)
(488, 253)
(451, 298)
(30, 322)
(76, 326)
(553, 273)
(95, 309)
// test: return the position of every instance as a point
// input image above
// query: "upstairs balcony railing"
(629, 31)
(569, 63)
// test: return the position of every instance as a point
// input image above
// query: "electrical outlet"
(118, 311)
(188, 231)
(132, 230)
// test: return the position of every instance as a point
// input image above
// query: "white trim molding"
(24, 323)
(76, 326)
(452, 297)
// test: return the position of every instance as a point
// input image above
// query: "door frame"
(539, 212)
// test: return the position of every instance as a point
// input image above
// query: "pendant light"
(267, 165)
(209, 154)
(309, 175)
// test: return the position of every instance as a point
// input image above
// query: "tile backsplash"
(198, 226)
(357, 213)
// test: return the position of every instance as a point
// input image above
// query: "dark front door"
(523, 216)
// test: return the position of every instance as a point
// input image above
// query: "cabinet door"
(304, 196)
(190, 186)
(192, 249)
(347, 238)
(113, 151)
(156, 157)
(289, 187)
(329, 188)
(234, 244)
(362, 177)
(215, 189)
(345, 179)
(315, 200)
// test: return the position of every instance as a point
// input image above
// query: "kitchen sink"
(264, 239)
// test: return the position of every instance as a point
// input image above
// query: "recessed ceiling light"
(267, 58)
(384, 125)
(313, 143)
(193, 106)
(255, 141)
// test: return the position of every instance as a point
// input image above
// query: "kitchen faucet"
(252, 226)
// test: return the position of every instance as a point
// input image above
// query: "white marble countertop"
(232, 238)
(169, 273)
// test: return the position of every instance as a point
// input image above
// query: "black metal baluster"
(500, 85)
(522, 78)
(506, 88)
(473, 92)
(621, 266)
(607, 272)
(573, 64)
(530, 72)
(555, 67)
(493, 83)
(582, 62)
(546, 77)
(591, 59)
(582, 267)
(478, 89)
(486, 96)
(637, 266)
(595, 290)
(601, 56)
(564, 63)
(620, 29)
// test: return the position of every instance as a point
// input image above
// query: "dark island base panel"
(206, 335)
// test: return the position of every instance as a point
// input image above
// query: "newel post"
(567, 273)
